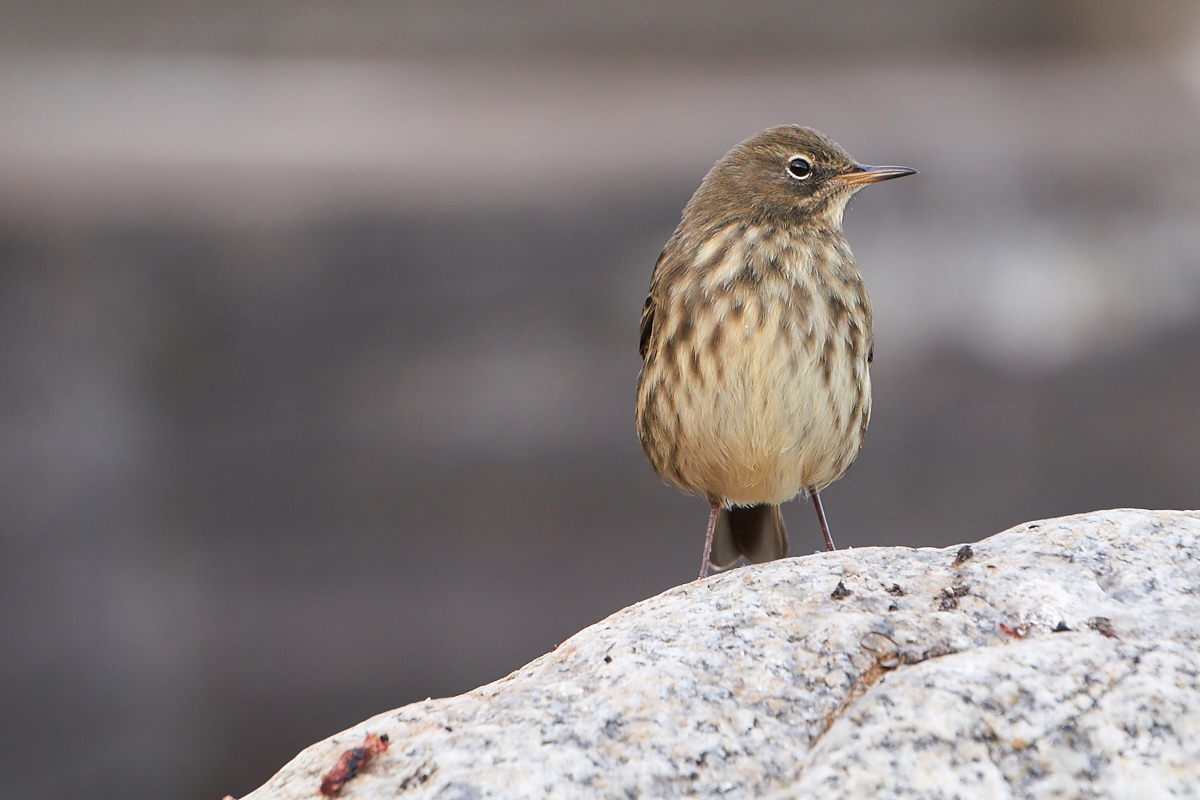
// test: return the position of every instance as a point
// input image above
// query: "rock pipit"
(756, 340)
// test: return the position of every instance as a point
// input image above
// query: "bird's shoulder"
(677, 262)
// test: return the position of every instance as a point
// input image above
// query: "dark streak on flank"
(827, 355)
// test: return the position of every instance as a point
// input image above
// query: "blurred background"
(318, 329)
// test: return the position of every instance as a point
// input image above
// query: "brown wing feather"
(651, 304)
(647, 326)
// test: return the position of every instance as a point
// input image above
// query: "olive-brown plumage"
(756, 340)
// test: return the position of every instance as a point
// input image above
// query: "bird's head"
(787, 174)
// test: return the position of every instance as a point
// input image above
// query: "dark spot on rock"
(1017, 632)
(423, 774)
(938, 650)
(1061, 627)
(840, 592)
(1103, 626)
(893, 608)
(949, 597)
(965, 553)
(608, 659)
(896, 590)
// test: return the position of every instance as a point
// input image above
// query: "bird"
(757, 342)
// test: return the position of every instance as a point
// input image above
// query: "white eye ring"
(799, 168)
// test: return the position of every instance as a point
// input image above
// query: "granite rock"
(1056, 659)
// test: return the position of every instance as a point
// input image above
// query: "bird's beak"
(861, 174)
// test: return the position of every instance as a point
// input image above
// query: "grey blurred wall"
(318, 330)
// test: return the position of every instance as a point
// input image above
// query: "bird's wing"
(647, 325)
(651, 304)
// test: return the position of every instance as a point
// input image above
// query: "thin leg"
(824, 525)
(708, 537)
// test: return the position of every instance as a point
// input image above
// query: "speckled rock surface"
(1056, 659)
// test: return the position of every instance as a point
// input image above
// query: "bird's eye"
(799, 167)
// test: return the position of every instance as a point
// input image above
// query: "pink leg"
(824, 525)
(708, 537)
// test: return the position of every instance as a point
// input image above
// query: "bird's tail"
(755, 532)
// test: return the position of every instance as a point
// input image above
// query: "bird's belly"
(776, 414)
